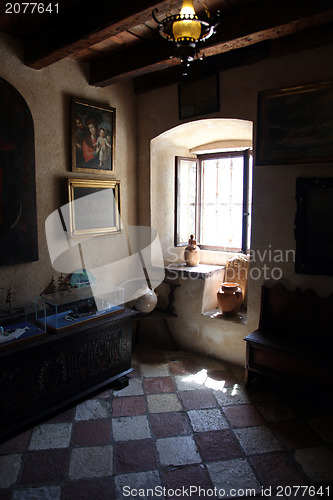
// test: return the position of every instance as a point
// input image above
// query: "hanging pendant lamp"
(186, 30)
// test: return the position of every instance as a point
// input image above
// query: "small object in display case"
(68, 308)
(20, 325)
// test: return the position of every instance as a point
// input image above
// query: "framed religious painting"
(295, 125)
(93, 137)
(94, 207)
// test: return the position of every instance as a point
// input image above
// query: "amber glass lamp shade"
(188, 27)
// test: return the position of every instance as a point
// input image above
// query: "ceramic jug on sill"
(192, 253)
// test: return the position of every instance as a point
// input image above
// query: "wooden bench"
(294, 340)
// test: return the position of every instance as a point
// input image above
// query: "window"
(213, 200)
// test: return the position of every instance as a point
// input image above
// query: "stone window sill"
(212, 276)
(202, 271)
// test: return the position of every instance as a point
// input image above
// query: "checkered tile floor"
(184, 422)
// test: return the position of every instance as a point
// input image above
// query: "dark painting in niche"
(18, 219)
(314, 226)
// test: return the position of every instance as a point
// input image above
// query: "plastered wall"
(274, 190)
(48, 93)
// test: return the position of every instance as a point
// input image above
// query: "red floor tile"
(17, 444)
(157, 385)
(278, 470)
(193, 400)
(169, 424)
(97, 489)
(128, 406)
(134, 456)
(45, 466)
(91, 433)
(183, 367)
(218, 445)
(243, 415)
(194, 476)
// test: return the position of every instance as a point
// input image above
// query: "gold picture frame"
(94, 207)
(93, 137)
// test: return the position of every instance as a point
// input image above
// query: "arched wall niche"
(18, 215)
(188, 140)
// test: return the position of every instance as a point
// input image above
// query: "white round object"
(145, 299)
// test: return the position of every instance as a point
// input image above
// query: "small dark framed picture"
(93, 137)
(295, 125)
(199, 97)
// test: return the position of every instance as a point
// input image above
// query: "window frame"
(246, 154)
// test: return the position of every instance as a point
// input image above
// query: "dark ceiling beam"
(199, 69)
(304, 40)
(261, 21)
(86, 26)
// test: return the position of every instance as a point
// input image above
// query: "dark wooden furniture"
(161, 313)
(294, 340)
(40, 377)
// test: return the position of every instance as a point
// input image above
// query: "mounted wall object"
(94, 207)
(18, 212)
(187, 29)
(314, 226)
(93, 137)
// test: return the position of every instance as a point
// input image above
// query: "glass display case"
(20, 324)
(67, 308)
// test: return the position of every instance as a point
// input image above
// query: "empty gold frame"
(94, 207)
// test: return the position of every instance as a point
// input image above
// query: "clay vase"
(229, 298)
(192, 253)
(145, 300)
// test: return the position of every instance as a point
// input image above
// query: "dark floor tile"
(156, 385)
(17, 444)
(64, 416)
(243, 415)
(218, 445)
(5, 495)
(295, 434)
(278, 469)
(91, 433)
(44, 466)
(136, 371)
(134, 456)
(150, 355)
(169, 424)
(186, 477)
(128, 406)
(200, 398)
(97, 489)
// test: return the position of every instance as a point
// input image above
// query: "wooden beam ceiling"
(86, 27)
(258, 22)
(120, 40)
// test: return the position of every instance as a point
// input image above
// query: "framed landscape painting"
(93, 137)
(295, 125)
